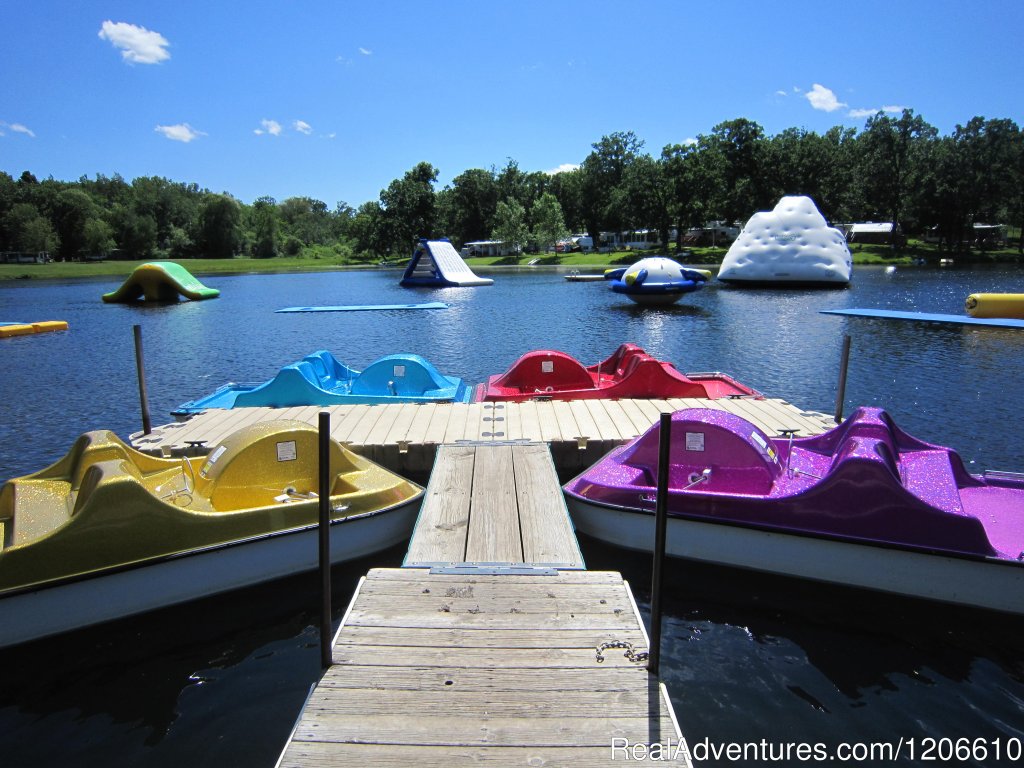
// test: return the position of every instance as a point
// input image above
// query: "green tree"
(567, 187)
(890, 165)
(135, 233)
(408, 210)
(510, 223)
(548, 221)
(467, 207)
(647, 196)
(72, 209)
(263, 221)
(693, 180)
(737, 151)
(602, 173)
(800, 162)
(97, 237)
(367, 230)
(219, 234)
(28, 230)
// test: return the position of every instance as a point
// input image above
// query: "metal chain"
(630, 653)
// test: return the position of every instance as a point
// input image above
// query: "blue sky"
(333, 100)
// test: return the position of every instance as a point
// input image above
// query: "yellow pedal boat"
(108, 531)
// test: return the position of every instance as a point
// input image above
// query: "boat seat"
(930, 478)
(869, 449)
(546, 372)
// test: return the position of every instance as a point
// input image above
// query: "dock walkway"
(494, 504)
(490, 656)
(404, 437)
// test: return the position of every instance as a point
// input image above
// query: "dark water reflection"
(746, 657)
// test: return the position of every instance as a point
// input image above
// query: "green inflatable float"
(161, 281)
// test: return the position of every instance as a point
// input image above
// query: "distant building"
(488, 248)
(871, 232)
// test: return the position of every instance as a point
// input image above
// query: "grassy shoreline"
(701, 257)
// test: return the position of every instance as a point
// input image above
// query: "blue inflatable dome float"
(656, 281)
(320, 379)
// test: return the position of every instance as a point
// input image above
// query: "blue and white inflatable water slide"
(436, 263)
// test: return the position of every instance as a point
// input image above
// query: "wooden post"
(841, 394)
(660, 529)
(326, 657)
(140, 370)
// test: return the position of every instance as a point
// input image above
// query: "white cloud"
(862, 113)
(563, 168)
(271, 127)
(366, 52)
(182, 132)
(138, 45)
(302, 127)
(781, 93)
(691, 142)
(824, 99)
(16, 127)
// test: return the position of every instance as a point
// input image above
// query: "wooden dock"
(494, 655)
(494, 504)
(404, 437)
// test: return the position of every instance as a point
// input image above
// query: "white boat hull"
(51, 610)
(966, 581)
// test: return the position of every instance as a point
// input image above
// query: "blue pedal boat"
(320, 379)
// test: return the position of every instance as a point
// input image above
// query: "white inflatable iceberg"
(792, 244)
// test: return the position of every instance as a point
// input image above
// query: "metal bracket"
(493, 569)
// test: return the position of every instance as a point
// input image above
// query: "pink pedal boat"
(628, 373)
(864, 504)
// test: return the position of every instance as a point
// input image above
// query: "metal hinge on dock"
(493, 569)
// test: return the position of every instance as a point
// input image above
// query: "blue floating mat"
(365, 307)
(924, 317)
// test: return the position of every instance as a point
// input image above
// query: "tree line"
(898, 169)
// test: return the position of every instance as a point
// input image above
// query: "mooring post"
(660, 527)
(841, 394)
(326, 657)
(140, 370)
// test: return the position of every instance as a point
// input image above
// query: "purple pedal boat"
(864, 504)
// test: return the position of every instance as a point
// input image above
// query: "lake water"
(746, 658)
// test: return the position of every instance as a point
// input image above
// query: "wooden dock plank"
(417, 432)
(455, 427)
(543, 705)
(585, 421)
(410, 637)
(374, 430)
(369, 415)
(511, 695)
(631, 419)
(568, 429)
(414, 576)
(446, 730)
(494, 516)
(547, 533)
(344, 419)
(606, 426)
(312, 754)
(530, 420)
(440, 533)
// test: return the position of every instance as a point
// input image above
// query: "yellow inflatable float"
(24, 329)
(994, 305)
